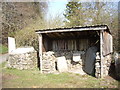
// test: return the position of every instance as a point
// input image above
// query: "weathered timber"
(101, 52)
(72, 44)
(40, 51)
(107, 40)
(73, 29)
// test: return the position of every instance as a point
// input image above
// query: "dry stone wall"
(97, 65)
(107, 64)
(51, 62)
(48, 62)
(22, 61)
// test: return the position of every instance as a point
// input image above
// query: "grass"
(3, 49)
(2, 65)
(13, 78)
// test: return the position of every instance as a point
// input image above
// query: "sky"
(56, 8)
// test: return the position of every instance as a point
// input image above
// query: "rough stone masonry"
(22, 58)
(61, 61)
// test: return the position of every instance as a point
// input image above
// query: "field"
(13, 78)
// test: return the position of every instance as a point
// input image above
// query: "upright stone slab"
(62, 64)
(11, 44)
(90, 60)
(76, 57)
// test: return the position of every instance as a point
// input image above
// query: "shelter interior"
(70, 41)
(70, 45)
(84, 50)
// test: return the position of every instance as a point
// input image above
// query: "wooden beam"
(48, 35)
(58, 34)
(73, 30)
(111, 43)
(40, 51)
(101, 50)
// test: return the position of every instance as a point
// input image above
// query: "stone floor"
(77, 71)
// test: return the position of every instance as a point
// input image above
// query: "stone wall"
(98, 65)
(22, 61)
(49, 62)
(106, 64)
(117, 64)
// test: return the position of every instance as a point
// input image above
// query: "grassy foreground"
(13, 78)
(3, 49)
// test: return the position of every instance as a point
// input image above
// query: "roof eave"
(72, 30)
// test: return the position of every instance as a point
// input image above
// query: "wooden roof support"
(72, 29)
(101, 50)
(40, 50)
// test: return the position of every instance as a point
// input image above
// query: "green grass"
(2, 66)
(3, 49)
(13, 78)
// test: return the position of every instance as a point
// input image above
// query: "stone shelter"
(78, 49)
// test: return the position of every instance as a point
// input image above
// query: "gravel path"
(3, 57)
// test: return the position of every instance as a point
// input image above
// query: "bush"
(28, 37)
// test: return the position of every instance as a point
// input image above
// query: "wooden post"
(111, 43)
(40, 51)
(101, 51)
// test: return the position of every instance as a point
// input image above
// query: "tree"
(74, 14)
(17, 15)
(82, 14)
(55, 22)
(29, 37)
(93, 13)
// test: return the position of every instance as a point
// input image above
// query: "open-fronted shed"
(75, 44)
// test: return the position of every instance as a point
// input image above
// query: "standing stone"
(76, 57)
(11, 44)
(90, 60)
(62, 64)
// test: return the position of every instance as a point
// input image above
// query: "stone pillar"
(11, 44)
(97, 65)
